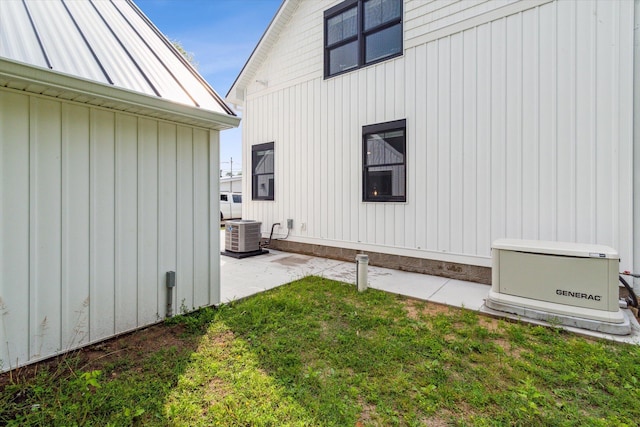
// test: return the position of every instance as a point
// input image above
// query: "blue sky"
(221, 34)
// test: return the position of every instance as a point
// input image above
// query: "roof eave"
(39, 80)
(258, 55)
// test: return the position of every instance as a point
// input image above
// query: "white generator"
(569, 283)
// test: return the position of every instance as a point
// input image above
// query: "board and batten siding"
(519, 124)
(95, 207)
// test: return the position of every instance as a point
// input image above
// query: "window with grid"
(361, 32)
(262, 170)
(384, 162)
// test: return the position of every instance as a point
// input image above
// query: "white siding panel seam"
(30, 277)
(3, 275)
(32, 235)
(595, 102)
(115, 222)
(158, 281)
(574, 118)
(489, 130)
(636, 145)
(194, 249)
(60, 248)
(464, 24)
(140, 243)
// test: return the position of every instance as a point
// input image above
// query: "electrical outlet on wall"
(289, 224)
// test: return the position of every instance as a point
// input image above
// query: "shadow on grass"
(331, 353)
(190, 370)
(316, 352)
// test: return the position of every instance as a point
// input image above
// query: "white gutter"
(113, 97)
(636, 144)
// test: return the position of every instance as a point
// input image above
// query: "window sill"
(351, 70)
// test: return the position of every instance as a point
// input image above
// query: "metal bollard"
(362, 265)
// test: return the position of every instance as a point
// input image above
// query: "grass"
(318, 353)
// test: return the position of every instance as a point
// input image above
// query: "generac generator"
(568, 283)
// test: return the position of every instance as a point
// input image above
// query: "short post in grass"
(362, 265)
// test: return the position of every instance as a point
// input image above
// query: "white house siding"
(519, 124)
(636, 145)
(95, 207)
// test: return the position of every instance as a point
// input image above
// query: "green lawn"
(316, 352)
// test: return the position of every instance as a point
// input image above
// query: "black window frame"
(360, 36)
(383, 128)
(255, 176)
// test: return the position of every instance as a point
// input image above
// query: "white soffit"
(106, 41)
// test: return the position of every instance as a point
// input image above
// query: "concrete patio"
(241, 278)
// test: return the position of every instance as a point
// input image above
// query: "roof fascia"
(259, 52)
(17, 71)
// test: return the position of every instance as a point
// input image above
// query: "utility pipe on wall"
(171, 283)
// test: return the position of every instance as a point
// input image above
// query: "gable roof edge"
(259, 53)
(182, 59)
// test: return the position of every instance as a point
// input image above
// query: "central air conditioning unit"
(242, 236)
(569, 283)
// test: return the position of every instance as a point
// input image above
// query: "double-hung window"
(384, 162)
(262, 171)
(361, 32)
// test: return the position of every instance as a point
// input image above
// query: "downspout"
(636, 144)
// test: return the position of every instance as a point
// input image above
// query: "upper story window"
(262, 171)
(361, 32)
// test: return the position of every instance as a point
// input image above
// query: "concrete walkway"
(241, 278)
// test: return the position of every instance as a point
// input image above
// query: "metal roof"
(110, 42)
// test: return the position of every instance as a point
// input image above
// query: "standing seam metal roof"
(106, 41)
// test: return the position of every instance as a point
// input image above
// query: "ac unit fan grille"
(242, 236)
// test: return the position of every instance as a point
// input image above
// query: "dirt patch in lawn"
(126, 347)
(417, 308)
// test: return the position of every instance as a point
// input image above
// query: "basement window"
(262, 169)
(384, 162)
(358, 33)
